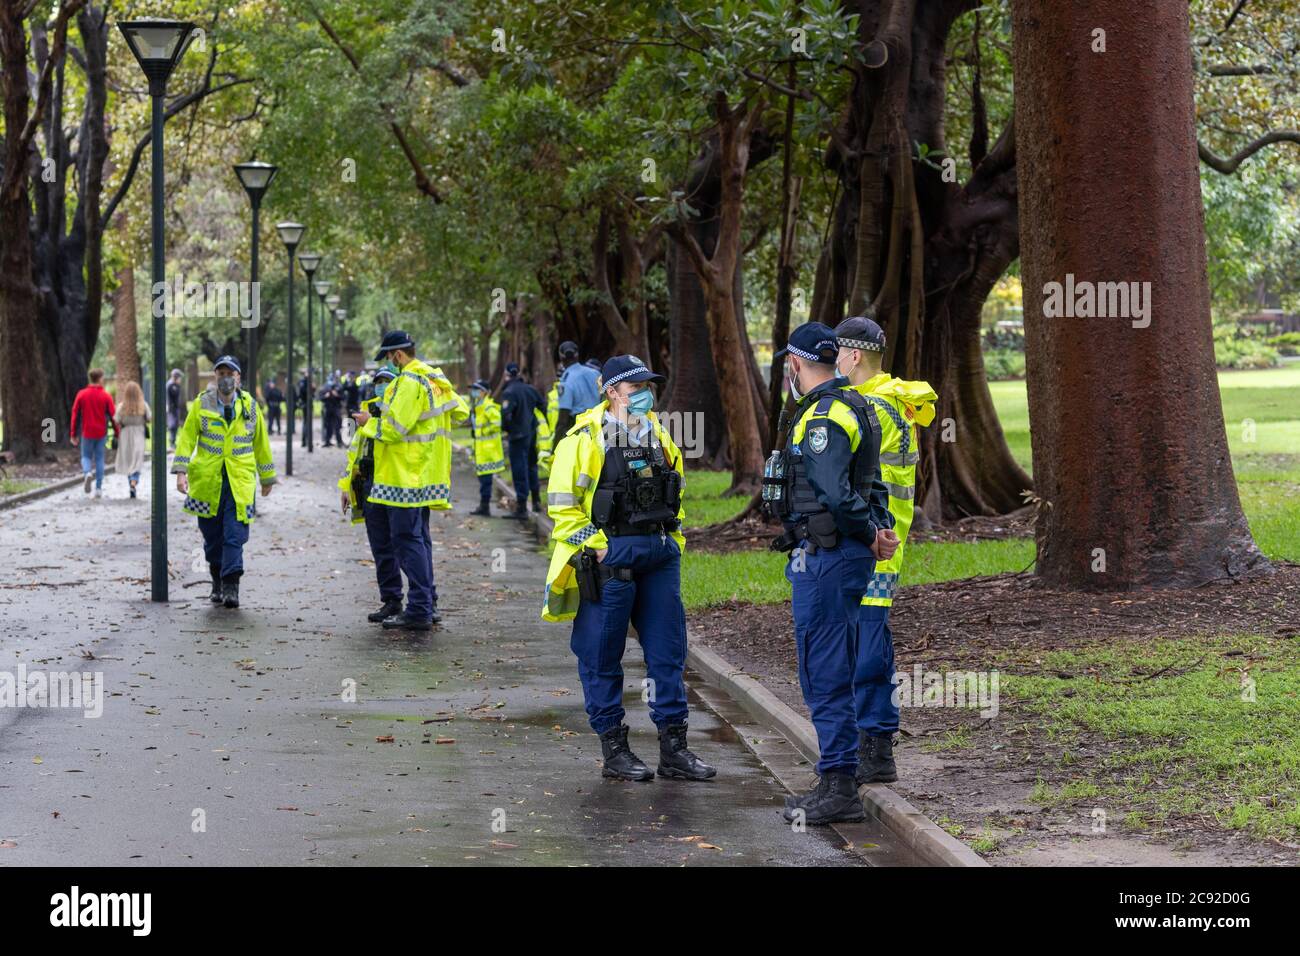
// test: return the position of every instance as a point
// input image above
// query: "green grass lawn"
(1184, 736)
(16, 486)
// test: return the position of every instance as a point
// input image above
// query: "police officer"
(222, 454)
(577, 390)
(519, 403)
(825, 487)
(485, 429)
(355, 486)
(274, 401)
(305, 395)
(900, 407)
(615, 497)
(412, 435)
(331, 408)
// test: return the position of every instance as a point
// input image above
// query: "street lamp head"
(255, 177)
(309, 261)
(332, 301)
(290, 234)
(341, 314)
(322, 287)
(157, 46)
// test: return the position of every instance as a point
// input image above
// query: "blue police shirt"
(578, 391)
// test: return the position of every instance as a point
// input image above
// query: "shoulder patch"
(817, 439)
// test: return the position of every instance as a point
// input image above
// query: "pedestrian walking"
(92, 415)
(132, 420)
(174, 402)
(519, 403)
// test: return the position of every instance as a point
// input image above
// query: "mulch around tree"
(969, 624)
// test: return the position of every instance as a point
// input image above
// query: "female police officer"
(615, 497)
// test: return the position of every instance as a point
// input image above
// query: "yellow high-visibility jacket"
(207, 448)
(544, 441)
(900, 406)
(485, 427)
(360, 446)
(412, 437)
(575, 472)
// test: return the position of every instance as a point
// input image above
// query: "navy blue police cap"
(396, 339)
(860, 332)
(812, 342)
(568, 348)
(230, 362)
(627, 368)
(480, 383)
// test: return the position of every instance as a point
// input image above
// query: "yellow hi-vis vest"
(901, 406)
(485, 426)
(575, 472)
(362, 444)
(413, 439)
(544, 442)
(207, 448)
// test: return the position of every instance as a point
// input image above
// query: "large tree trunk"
(693, 379)
(923, 253)
(126, 350)
(1130, 454)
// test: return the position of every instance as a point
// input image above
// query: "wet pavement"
(234, 737)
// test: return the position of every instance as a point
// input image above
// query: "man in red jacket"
(92, 413)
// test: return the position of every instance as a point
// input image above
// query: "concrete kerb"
(924, 837)
(13, 501)
(930, 842)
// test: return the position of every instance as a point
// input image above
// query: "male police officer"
(577, 389)
(412, 468)
(825, 487)
(519, 402)
(485, 429)
(221, 455)
(615, 496)
(899, 406)
(355, 486)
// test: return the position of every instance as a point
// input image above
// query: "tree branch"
(1229, 164)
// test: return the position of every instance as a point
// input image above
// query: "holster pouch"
(602, 507)
(586, 568)
(822, 530)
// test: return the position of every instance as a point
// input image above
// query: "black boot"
(216, 597)
(620, 762)
(230, 590)
(675, 760)
(400, 622)
(519, 514)
(483, 509)
(391, 606)
(834, 800)
(537, 505)
(876, 759)
(434, 616)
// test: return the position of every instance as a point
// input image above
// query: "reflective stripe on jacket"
(485, 426)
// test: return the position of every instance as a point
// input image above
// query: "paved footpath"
(226, 737)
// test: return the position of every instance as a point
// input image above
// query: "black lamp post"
(158, 46)
(331, 303)
(309, 262)
(256, 178)
(322, 287)
(290, 235)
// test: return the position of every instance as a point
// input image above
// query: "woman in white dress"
(132, 418)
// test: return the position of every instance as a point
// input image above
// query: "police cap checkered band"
(812, 342)
(626, 368)
(860, 332)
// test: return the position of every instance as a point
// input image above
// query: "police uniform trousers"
(333, 426)
(873, 677)
(652, 603)
(523, 468)
(387, 570)
(272, 419)
(410, 541)
(485, 488)
(224, 535)
(826, 595)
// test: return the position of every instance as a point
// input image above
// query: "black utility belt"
(816, 533)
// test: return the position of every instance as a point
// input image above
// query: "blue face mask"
(639, 403)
